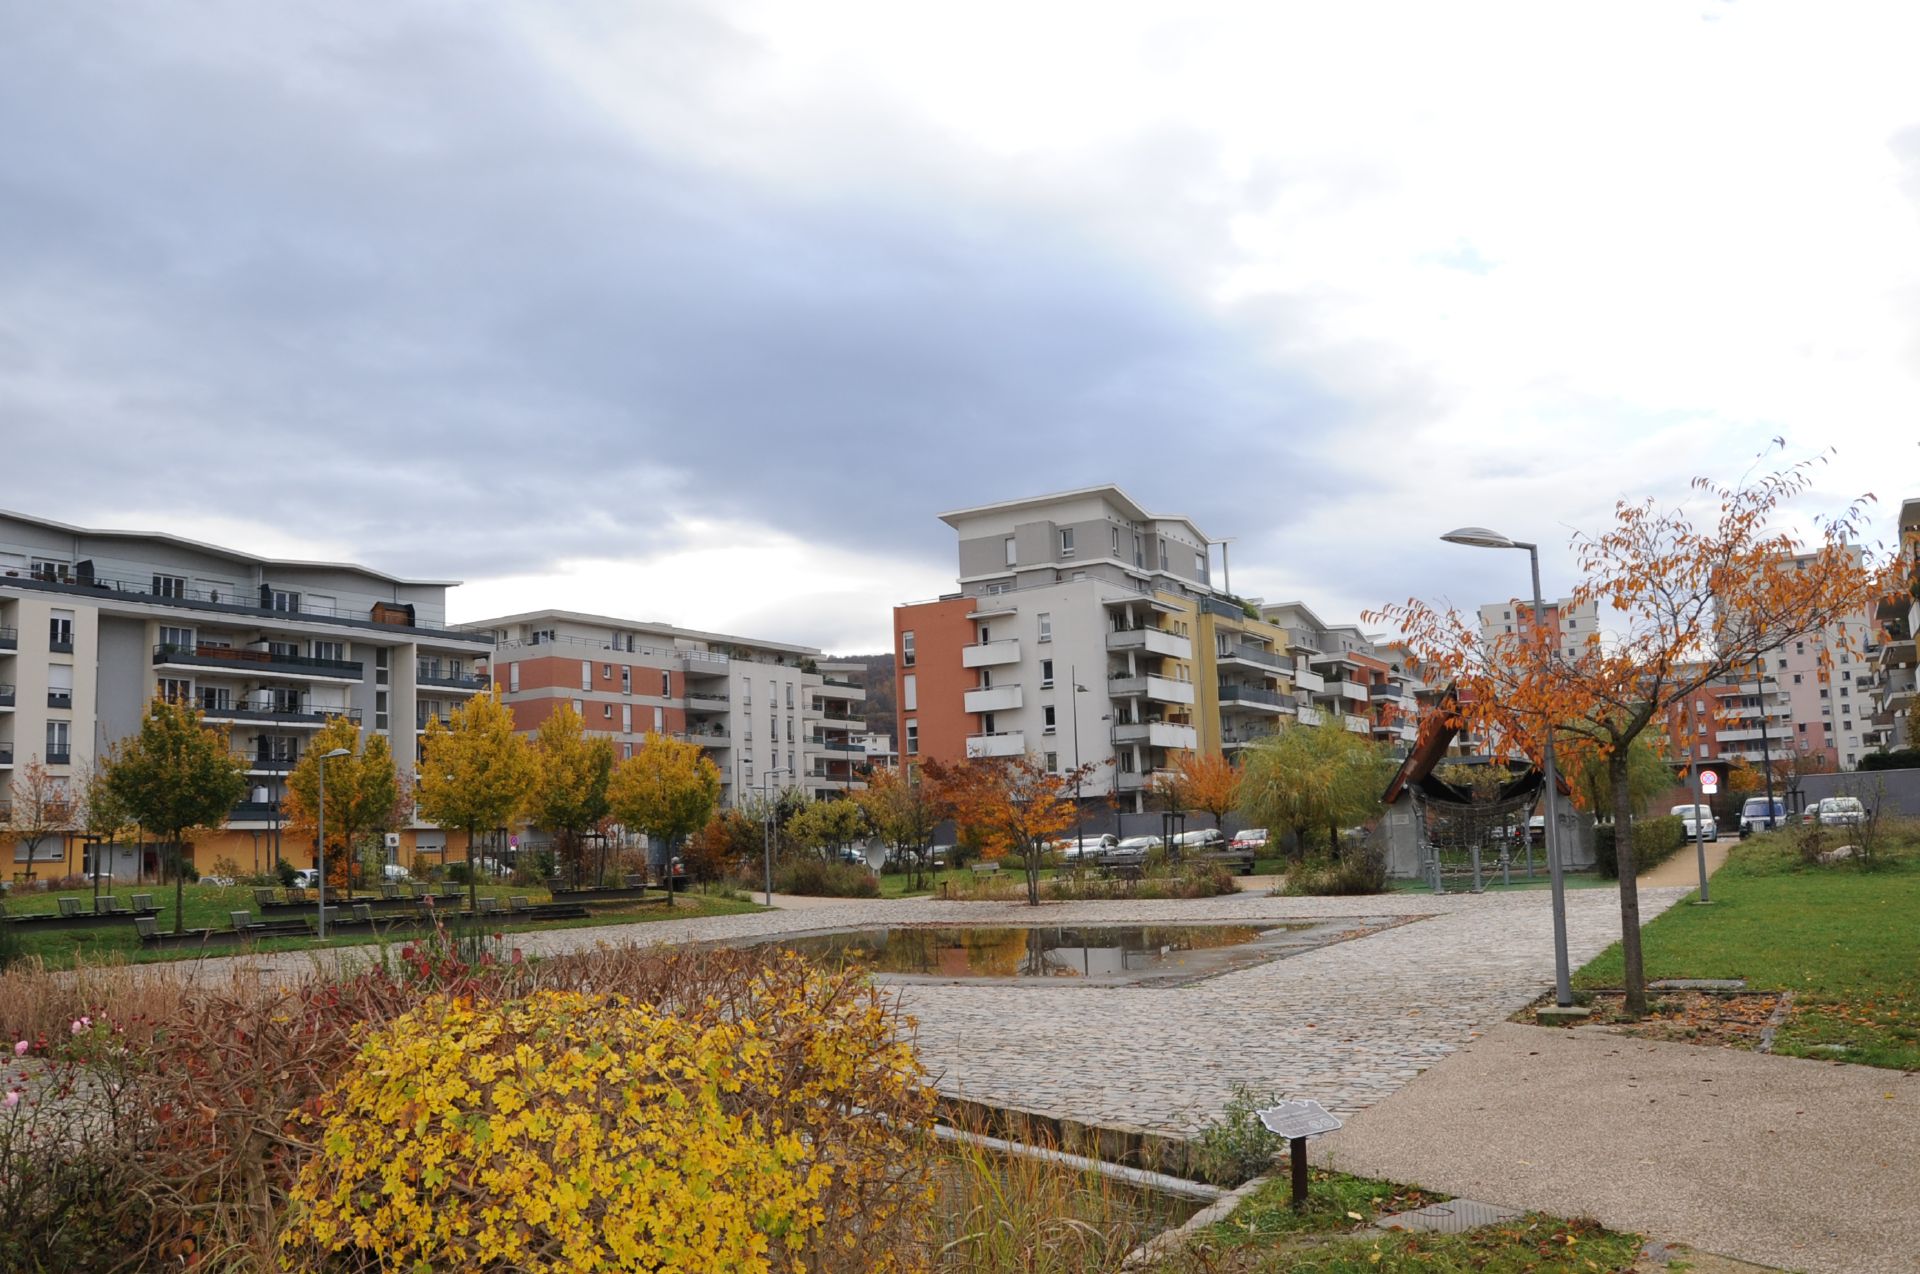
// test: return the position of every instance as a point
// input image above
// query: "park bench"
(986, 869)
(389, 889)
(264, 898)
(143, 902)
(488, 905)
(246, 926)
(69, 906)
(151, 935)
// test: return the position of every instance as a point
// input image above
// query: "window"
(283, 650)
(1138, 559)
(606, 712)
(1053, 762)
(215, 699)
(1200, 565)
(606, 672)
(334, 650)
(626, 718)
(626, 679)
(282, 599)
(169, 586)
(986, 723)
(51, 569)
(1046, 673)
(380, 666)
(906, 649)
(59, 745)
(513, 677)
(913, 738)
(666, 683)
(60, 631)
(790, 768)
(1796, 678)
(177, 638)
(659, 718)
(586, 674)
(175, 690)
(789, 696)
(579, 708)
(1046, 719)
(910, 692)
(1012, 552)
(1163, 552)
(1066, 541)
(1046, 626)
(1803, 727)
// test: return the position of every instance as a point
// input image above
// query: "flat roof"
(1108, 491)
(636, 625)
(237, 554)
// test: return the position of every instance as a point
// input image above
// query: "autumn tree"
(905, 809)
(1208, 782)
(667, 789)
(827, 826)
(363, 793)
(475, 772)
(1313, 778)
(41, 809)
(98, 809)
(729, 840)
(1590, 779)
(1693, 603)
(176, 775)
(1008, 804)
(569, 794)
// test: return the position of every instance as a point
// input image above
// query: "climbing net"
(1465, 843)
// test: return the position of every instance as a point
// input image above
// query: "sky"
(703, 312)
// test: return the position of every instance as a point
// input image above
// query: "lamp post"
(1766, 743)
(321, 857)
(1481, 537)
(1079, 835)
(766, 833)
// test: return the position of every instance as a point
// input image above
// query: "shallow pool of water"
(1104, 954)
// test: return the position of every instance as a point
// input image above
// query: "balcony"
(1359, 725)
(1158, 689)
(827, 721)
(446, 677)
(62, 699)
(993, 699)
(991, 654)
(704, 701)
(1128, 781)
(1352, 691)
(1254, 697)
(242, 663)
(62, 757)
(265, 762)
(6, 696)
(60, 645)
(255, 812)
(1246, 737)
(835, 745)
(1002, 743)
(421, 720)
(1157, 734)
(277, 711)
(1152, 641)
(1255, 657)
(839, 688)
(1311, 682)
(9, 639)
(6, 755)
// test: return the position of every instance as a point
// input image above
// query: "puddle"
(1107, 955)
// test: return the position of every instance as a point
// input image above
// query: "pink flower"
(20, 1048)
(12, 1099)
(81, 1024)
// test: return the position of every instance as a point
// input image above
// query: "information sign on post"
(1297, 1121)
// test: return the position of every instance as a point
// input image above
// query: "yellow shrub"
(583, 1132)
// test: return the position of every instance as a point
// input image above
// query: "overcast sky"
(701, 312)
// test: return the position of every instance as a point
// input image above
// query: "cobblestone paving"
(1345, 1024)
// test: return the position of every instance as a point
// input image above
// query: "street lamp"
(1480, 537)
(766, 833)
(321, 857)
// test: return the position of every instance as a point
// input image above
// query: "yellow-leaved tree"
(475, 772)
(569, 793)
(668, 789)
(176, 774)
(1692, 603)
(363, 793)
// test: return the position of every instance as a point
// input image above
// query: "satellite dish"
(876, 855)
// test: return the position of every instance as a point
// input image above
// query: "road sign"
(1295, 1119)
(1709, 782)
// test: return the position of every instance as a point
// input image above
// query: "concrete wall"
(1892, 791)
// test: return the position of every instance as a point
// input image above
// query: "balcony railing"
(1253, 694)
(60, 646)
(700, 701)
(9, 639)
(60, 699)
(62, 757)
(270, 764)
(447, 678)
(835, 745)
(6, 696)
(6, 754)
(1257, 655)
(250, 811)
(999, 743)
(277, 711)
(248, 661)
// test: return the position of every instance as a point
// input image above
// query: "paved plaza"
(1346, 1024)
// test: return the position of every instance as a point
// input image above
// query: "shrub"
(1359, 868)
(63, 1186)
(286, 873)
(458, 873)
(1898, 759)
(1236, 1147)
(1197, 880)
(814, 878)
(1655, 840)
(589, 1132)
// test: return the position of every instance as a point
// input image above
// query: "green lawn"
(1334, 1234)
(1845, 941)
(208, 906)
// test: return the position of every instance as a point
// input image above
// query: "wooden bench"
(986, 869)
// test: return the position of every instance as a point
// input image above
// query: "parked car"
(1759, 814)
(1698, 821)
(1130, 852)
(1211, 838)
(306, 878)
(1253, 838)
(1836, 811)
(1537, 829)
(1071, 850)
(395, 872)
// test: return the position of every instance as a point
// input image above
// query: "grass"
(1842, 939)
(1334, 1234)
(209, 906)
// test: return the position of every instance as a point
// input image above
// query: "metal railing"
(6, 755)
(165, 588)
(1252, 694)
(205, 656)
(63, 757)
(1258, 655)
(6, 696)
(9, 638)
(60, 699)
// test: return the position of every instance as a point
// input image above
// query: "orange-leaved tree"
(1692, 602)
(1208, 782)
(905, 808)
(1008, 804)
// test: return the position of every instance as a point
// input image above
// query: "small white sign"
(1296, 1119)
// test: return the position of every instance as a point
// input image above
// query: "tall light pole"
(1766, 743)
(1481, 537)
(1079, 835)
(321, 857)
(766, 834)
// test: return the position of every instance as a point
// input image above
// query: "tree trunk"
(473, 889)
(179, 886)
(1634, 975)
(1033, 874)
(1333, 840)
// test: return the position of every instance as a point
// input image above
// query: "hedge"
(1898, 759)
(1655, 840)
